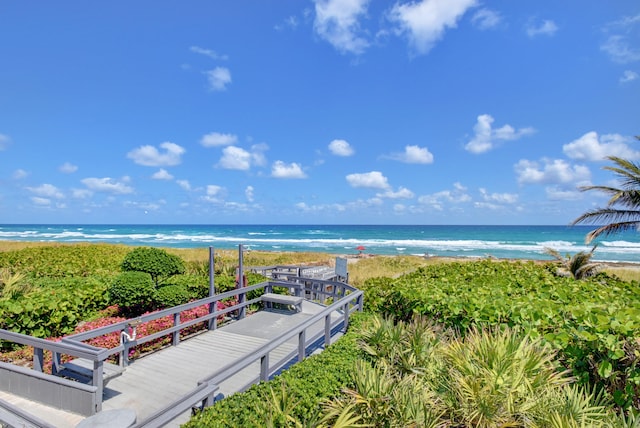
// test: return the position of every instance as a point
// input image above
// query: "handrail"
(234, 367)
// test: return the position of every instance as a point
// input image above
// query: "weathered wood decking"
(154, 381)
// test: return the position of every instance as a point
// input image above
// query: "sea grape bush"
(594, 323)
(154, 261)
(171, 295)
(133, 292)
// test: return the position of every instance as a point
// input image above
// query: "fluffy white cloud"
(341, 148)
(81, 193)
(544, 28)
(162, 174)
(424, 22)
(151, 156)
(590, 147)
(107, 185)
(485, 19)
(280, 169)
(19, 174)
(501, 198)
(336, 22)
(208, 52)
(67, 168)
(552, 171)
(437, 200)
(214, 193)
(184, 184)
(235, 158)
(486, 137)
(47, 190)
(40, 201)
(371, 180)
(218, 78)
(214, 139)
(401, 193)
(414, 154)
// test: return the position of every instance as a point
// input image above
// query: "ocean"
(514, 242)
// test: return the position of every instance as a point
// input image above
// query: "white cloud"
(184, 184)
(414, 154)
(208, 52)
(162, 174)
(486, 138)
(337, 22)
(424, 22)
(108, 185)
(401, 193)
(47, 190)
(67, 168)
(151, 156)
(371, 180)
(552, 171)
(628, 76)
(4, 141)
(235, 158)
(619, 50)
(218, 78)
(556, 193)
(485, 19)
(248, 193)
(501, 198)
(618, 45)
(341, 148)
(590, 147)
(280, 169)
(214, 139)
(40, 201)
(19, 174)
(437, 200)
(544, 28)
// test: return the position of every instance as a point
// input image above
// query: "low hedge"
(307, 384)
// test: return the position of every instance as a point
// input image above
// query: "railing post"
(264, 368)
(176, 334)
(327, 330)
(38, 359)
(345, 310)
(241, 297)
(360, 303)
(302, 345)
(213, 306)
(55, 362)
(98, 381)
(213, 322)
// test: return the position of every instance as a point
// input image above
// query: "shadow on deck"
(161, 388)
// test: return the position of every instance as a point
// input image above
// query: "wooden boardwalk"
(156, 380)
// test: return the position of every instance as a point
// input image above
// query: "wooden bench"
(81, 370)
(283, 299)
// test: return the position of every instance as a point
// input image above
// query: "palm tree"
(623, 209)
(579, 265)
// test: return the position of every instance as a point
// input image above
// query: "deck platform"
(154, 381)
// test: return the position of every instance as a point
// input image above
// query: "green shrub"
(55, 307)
(154, 261)
(171, 295)
(133, 292)
(196, 285)
(304, 386)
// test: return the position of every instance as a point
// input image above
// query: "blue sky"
(318, 112)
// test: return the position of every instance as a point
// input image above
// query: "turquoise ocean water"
(519, 242)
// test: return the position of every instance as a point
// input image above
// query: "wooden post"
(264, 368)
(213, 324)
(241, 297)
(176, 334)
(98, 381)
(327, 330)
(55, 362)
(38, 359)
(345, 310)
(302, 348)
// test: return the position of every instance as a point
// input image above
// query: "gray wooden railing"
(346, 299)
